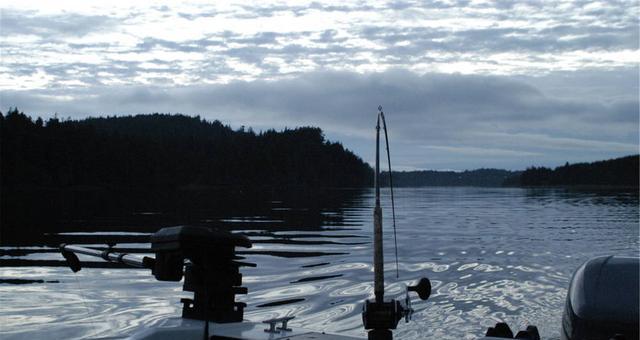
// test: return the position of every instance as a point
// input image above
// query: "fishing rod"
(393, 205)
(69, 252)
(379, 317)
(377, 213)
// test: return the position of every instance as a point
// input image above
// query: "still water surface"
(492, 254)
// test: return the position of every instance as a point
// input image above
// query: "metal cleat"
(273, 322)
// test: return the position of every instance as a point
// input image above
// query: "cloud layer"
(436, 120)
(466, 83)
(196, 43)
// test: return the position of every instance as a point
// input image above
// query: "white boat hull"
(187, 329)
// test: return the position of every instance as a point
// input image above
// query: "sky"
(464, 84)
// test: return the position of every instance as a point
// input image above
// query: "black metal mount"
(211, 273)
(205, 257)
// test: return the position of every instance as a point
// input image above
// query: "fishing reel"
(381, 316)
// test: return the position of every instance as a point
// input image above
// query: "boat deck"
(182, 328)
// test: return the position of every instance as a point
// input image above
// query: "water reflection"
(492, 255)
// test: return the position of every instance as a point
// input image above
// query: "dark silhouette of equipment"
(379, 317)
(423, 288)
(207, 260)
(603, 300)
(502, 331)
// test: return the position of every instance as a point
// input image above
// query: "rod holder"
(204, 257)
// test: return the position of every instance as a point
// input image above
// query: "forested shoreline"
(161, 150)
(618, 172)
(479, 178)
(139, 173)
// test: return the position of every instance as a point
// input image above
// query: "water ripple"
(492, 255)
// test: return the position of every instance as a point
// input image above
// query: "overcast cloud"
(464, 84)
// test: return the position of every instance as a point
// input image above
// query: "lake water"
(492, 254)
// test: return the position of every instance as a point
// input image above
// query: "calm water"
(492, 255)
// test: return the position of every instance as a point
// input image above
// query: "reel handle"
(423, 288)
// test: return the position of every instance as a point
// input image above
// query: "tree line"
(479, 177)
(159, 150)
(621, 172)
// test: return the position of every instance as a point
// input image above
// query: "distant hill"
(621, 172)
(614, 172)
(160, 150)
(480, 177)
